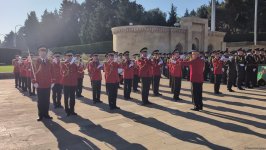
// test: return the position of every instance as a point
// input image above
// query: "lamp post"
(213, 16)
(15, 36)
(255, 22)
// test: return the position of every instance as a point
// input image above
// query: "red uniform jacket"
(176, 69)
(69, 74)
(111, 72)
(28, 69)
(217, 66)
(57, 72)
(80, 71)
(128, 71)
(136, 69)
(156, 69)
(43, 72)
(15, 63)
(196, 67)
(144, 65)
(95, 72)
(23, 71)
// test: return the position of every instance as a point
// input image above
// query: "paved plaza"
(230, 121)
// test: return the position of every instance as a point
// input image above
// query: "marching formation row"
(42, 73)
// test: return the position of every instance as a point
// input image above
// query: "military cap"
(144, 49)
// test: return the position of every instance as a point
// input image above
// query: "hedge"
(244, 37)
(7, 54)
(99, 48)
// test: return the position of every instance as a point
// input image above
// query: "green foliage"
(6, 68)
(6, 55)
(99, 48)
(172, 16)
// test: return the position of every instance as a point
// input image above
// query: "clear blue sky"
(14, 12)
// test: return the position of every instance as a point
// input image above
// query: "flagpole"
(255, 22)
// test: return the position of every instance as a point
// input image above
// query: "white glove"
(73, 60)
(186, 68)
(182, 56)
(173, 61)
(211, 69)
(223, 69)
(54, 61)
(36, 85)
(149, 56)
(242, 65)
(230, 58)
(166, 67)
(254, 69)
(52, 85)
(131, 64)
(99, 66)
(29, 69)
(161, 62)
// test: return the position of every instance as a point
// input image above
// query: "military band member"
(144, 64)
(29, 76)
(23, 72)
(217, 71)
(196, 65)
(57, 89)
(207, 67)
(80, 76)
(128, 74)
(240, 68)
(225, 67)
(156, 72)
(15, 63)
(43, 81)
(136, 73)
(231, 72)
(94, 67)
(176, 69)
(69, 82)
(112, 80)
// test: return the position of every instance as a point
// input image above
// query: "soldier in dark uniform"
(225, 68)
(231, 72)
(250, 69)
(240, 68)
(262, 56)
(211, 67)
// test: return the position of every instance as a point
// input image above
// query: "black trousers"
(127, 87)
(20, 81)
(250, 76)
(69, 95)
(145, 88)
(230, 80)
(254, 77)
(79, 87)
(57, 94)
(96, 90)
(224, 76)
(206, 74)
(156, 84)
(217, 82)
(196, 90)
(177, 87)
(135, 82)
(24, 83)
(29, 86)
(240, 78)
(16, 74)
(43, 101)
(112, 94)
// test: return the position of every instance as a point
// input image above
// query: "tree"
(31, 30)
(172, 16)
(193, 13)
(9, 40)
(154, 17)
(186, 13)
